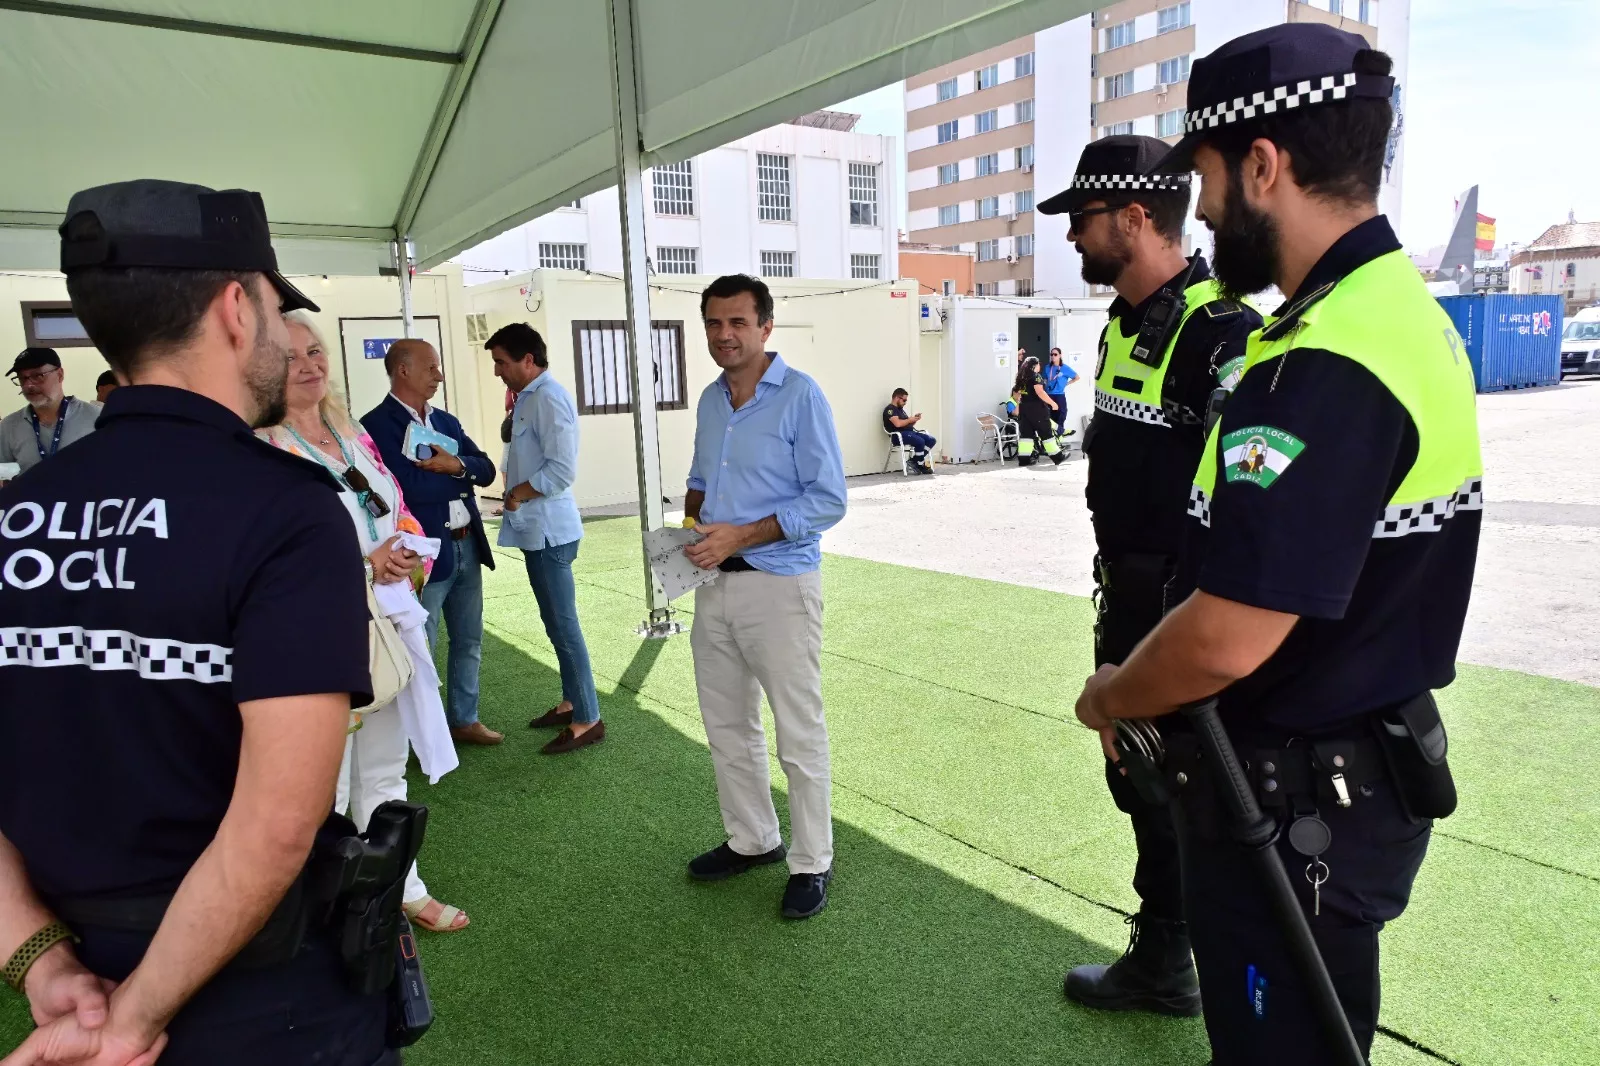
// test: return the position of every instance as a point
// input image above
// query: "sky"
(1497, 96)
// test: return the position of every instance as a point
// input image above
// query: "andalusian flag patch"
(1259, 454)
(1229, 373)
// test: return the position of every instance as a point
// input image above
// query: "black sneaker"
(1155, 974)
(722, 862)
(807, 894)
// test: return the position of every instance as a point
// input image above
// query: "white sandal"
(447, 916)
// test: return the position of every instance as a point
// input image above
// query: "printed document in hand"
(671, 567)
(420, 436)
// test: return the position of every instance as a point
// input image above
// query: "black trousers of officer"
(1132, 598)
(294, 1014)
(1374, 857)
(1033, 423)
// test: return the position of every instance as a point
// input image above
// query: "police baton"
(1259, 833)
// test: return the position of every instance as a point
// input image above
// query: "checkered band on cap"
(1284, 97)
(1429, 516)
(153, 658)
(1168, 182)
(1200, 505)
(1123, 407)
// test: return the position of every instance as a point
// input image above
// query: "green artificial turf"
(978, 856)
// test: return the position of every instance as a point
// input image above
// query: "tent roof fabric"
(450, 120)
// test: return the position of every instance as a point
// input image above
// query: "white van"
(1580, 343)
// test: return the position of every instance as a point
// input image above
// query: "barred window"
(1024, 201)
(1172, 71)
(986, 121)
(988, 164)
(949, 131)
(600, 352)
(989, 76)
(1023, 156)
(1118, 86)
(988, 251)
(989, 207)
(1169, 123)
(949, 173)
(1025, 110)
(776, 201)
(949, 214)
(947, 90)
(865, 266)
(777, 264)
(1023, 245)
(863, 194)
(674, 188)
(1024, 286)
(1121, 34)
(563, 256)
(678, 260)
(1022, 66)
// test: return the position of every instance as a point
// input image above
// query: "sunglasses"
(363, 489)
(1075, 218)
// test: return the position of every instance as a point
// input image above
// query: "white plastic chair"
(997, 433)
(898, 442)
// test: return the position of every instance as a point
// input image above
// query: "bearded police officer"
(1171, 339)
(1335, 521)
(182, 631)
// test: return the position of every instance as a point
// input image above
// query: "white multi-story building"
(808, 199)
(989, 135)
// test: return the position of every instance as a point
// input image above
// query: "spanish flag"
(1485, 241)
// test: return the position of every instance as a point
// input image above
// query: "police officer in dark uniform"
(1332, 569)
(1172, 339)
(183, 629)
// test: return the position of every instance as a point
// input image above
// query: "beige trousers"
(756, 632)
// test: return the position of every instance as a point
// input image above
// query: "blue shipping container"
(1513, 342)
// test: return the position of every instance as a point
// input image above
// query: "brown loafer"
(554, 718)
(565, 741)
(476, 733)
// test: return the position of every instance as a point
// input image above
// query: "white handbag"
(388, 660)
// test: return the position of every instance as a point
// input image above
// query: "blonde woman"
(317, 427)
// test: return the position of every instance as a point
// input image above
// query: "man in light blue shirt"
(541, 518)
(766, 479)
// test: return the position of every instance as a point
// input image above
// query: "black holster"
(1415, 746)
(1132, 594)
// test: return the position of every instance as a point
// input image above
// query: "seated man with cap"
(51, 421)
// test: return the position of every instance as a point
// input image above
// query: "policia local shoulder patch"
(1259, 454)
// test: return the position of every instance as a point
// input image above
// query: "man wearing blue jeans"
(438, 487)
(541, 518)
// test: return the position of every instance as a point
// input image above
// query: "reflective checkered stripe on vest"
(1129, 389)
(1382, 317)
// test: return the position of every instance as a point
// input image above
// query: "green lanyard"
(350, 464)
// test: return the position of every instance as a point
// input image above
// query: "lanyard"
(55, 438)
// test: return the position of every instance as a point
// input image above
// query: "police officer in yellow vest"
(1334, 523)
(1170, 342)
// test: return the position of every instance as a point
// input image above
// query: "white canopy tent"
(366, 124)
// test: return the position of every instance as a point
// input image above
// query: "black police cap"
(1281, 68)
(33, 359)
(152, 223)
(1115, 166)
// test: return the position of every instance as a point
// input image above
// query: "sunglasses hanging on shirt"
(363, 489)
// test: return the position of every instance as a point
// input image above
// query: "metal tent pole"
(402, 263)
(636, 287)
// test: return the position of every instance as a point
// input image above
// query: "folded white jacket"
(421, 710)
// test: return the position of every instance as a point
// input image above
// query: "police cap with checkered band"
(1273, 71)
(1115, 167)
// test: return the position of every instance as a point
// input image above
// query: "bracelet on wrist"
(24, 957)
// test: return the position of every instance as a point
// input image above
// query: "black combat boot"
(1156, 973)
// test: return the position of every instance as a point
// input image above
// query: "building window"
(1119, 129)
(1022, 66)
(674, 188)
(772, 182)
(947, 287)
(1172, 71)
(1025, 110)
(949, 214)
(948, 131)
(988, 164)
(1118, 86)
(1572, 270)
(600, 352)
(777, 264)
(989, 76)
(947, 90)
(563, 256)
(678, 260)
(1335, 7)
(52, 324)
(1024, 201)
(989, 207)
(1366, 12)
(1024, 286)
(1172, 18)
(863, 194)
(1023, 245)
(1122, 34)
(576, 205)
(991, 288)
(1023, 156)
(1169, 123)
(986, 121)
(988, 251)
(949, 173)
(865, 267)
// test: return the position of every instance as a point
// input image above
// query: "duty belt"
(1336, 770)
